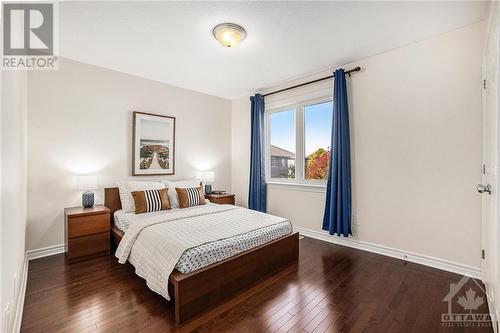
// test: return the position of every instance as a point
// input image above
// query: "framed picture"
(153, 147)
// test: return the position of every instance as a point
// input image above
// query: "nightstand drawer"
(223, 200)
(87, 225)
(88, 245)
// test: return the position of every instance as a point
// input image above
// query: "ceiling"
(171, 42)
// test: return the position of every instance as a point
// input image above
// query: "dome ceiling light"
(229, 34)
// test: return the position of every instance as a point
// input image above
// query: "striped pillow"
(190, 196)
(151, 200)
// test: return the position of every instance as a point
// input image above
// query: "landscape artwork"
(154, 144)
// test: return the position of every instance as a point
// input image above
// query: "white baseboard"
(45, 251)
(16, 328)
(395, 253)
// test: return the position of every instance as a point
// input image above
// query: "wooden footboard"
(204, 288)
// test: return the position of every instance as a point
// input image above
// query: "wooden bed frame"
(197, 291)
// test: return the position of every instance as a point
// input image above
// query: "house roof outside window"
(280, 152)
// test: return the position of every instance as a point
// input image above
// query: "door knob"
(484, 188)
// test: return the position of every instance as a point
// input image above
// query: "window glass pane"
(317, 131)
(282, 150)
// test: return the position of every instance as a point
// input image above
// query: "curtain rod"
(357, 69)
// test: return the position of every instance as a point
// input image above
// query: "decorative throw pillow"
(190, 196)
(184, 183)
(151, 200)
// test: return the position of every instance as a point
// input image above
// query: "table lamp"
(208, 178)
(87, 183)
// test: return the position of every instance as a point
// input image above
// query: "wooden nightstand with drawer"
(221, 198)
(87, 232)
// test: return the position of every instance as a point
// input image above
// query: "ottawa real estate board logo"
(466, 306)
(29, 36)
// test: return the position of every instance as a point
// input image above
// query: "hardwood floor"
(333, 288)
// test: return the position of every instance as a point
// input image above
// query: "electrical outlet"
(7, 318)
(355, 220)
(15, 285)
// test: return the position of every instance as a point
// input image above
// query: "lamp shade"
(208, 176)
(87, 182)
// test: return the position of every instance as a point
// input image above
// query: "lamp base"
(208, 189)
(87, 199)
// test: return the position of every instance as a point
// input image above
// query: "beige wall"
(416, 150)
(13, 196)
(80, 121)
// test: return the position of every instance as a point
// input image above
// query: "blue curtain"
(337, 217)
(257, 191)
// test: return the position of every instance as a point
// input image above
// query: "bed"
(196, 285)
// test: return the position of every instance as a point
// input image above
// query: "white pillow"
(125, 188)
(172, 193)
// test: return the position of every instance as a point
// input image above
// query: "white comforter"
(157, 242)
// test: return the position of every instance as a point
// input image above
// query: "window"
(298, 142)
(282, 147)
(317, 138)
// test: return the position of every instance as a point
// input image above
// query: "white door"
(489, 186)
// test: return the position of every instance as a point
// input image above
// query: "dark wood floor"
(332, 288)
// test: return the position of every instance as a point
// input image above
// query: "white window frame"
(299, 180)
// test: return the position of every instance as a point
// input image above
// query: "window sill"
(319, 188)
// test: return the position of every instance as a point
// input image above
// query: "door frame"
(490, 275)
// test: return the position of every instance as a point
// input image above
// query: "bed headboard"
(112, 200)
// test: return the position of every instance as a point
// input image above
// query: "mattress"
(209, 253)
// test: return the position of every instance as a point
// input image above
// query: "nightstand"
(221, 198)
(87, 232)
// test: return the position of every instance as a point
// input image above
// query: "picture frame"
(153, 144)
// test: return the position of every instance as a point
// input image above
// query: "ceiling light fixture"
(229, 34)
